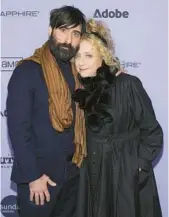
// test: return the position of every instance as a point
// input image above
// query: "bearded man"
(46, 128)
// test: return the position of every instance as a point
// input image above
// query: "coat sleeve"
(19, 115)
(151, 134)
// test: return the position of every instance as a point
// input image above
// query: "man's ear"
(49, 31)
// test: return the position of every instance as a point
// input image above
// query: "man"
(46, 128)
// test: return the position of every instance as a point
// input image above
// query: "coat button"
(106, 139)
(94, 153)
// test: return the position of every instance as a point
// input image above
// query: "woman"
(123, 135)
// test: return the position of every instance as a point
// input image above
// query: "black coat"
(123, 135)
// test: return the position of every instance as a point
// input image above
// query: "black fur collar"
(94, 87)
(95, 96)
(104, 75)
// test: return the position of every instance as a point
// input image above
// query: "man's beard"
(62, 51)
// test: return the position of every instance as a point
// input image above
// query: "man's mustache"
(64, 45)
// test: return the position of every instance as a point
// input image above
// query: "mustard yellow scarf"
(60, 108)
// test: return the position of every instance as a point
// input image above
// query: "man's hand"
(39, 189)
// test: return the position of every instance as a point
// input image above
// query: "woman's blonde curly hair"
(106, 51)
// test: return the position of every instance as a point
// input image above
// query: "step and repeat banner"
(139, 29)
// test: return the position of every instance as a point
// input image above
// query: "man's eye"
(77, 34)
(62, 30)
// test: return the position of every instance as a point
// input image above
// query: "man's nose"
(69, 38)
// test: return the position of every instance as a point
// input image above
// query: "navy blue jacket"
(38, 148)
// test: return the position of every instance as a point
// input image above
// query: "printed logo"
(24, 13)
(7, 161)
(9, 63)
(133, 64)
(4, 113)
(9, 207)
(110, 14)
